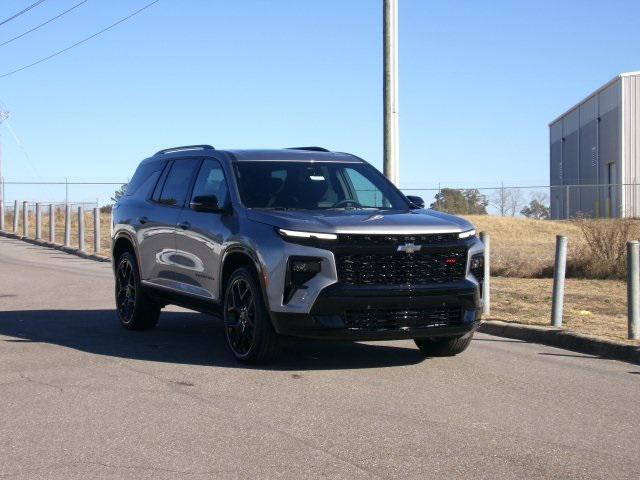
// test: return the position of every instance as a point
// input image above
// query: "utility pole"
(390, 91)
(3, 116)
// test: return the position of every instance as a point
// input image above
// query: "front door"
(201, 235)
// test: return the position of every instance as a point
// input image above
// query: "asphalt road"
(80, 397)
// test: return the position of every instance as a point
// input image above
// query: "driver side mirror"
(416, 202)
(206, 203)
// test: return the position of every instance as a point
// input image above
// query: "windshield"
(315, 186)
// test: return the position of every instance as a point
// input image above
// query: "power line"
(80, 42)
(43, 24)
(25, 10)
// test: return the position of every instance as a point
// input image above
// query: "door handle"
(142, 220)
(184, 225)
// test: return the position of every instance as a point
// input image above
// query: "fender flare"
(249, 252)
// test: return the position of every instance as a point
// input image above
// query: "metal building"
(595, 153)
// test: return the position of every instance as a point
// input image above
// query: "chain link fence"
(533, 201)
(536, 201)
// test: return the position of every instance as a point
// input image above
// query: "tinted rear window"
(144, 178)
(176, 186)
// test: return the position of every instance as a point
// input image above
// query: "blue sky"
(479, 81)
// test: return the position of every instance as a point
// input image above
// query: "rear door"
(157, 240)
(201, 235)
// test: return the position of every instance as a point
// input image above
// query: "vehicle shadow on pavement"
(187, 338)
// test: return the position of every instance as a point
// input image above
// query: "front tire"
(250, 335)
(136, 311)
(443, 347)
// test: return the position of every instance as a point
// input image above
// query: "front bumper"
(331, 316)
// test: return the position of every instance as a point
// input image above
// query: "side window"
(158, 188)
(211, 181)
(144, 177)
(176, 186)
(366, 193)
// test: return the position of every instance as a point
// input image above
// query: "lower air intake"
(390, 319)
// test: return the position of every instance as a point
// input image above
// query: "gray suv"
(298, 242)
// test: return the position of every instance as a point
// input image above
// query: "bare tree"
(514, 201)
(507, 201)
(499, 200)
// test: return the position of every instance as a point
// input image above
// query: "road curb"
(57, 246)
(557, 337)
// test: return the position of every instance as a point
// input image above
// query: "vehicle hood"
(362, 221)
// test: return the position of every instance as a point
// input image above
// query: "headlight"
(467, 234)
(298, 234)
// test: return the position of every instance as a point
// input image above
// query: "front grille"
(380, 239)
(389, 319)
(422, 267)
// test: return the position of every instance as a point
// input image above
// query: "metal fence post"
(52, 223)
(16, 212)
(567, 204)
(67, 225)
(558, 281)
(38, 221)
(633, 289)
(1, 214)
(25, 219)
(81, 228)
(486, 282)
(96, 230)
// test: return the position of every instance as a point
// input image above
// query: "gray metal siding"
(588, 157)
(586, 149)
(571, 160)
(556, 196)
(630, 171)
(609, 147)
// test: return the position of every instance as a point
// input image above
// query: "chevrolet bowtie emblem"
(409, 248)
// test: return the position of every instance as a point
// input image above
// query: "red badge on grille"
(451, 261)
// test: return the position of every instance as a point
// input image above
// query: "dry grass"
(521, 247)
(603, 249)
(105, 240)
(593, 307)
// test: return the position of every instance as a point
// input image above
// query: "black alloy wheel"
(240, 316)
(136, 310)
(250, 334)
(125, 290)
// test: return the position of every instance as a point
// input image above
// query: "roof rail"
(185, 147)
(311, 149)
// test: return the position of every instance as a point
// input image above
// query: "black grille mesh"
(378, 239)
(375, 319)
(423, 267)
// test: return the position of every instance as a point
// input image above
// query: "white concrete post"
(558, 281)
(633, 289)
(52, 223)
(38, 221)
(25, 219)
(96, 230)
(16, 212)
(486, 282)
(81, 228)
(67, 225)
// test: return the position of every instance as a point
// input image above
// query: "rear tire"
(136, 311)
(443, 347)
(250, 335)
